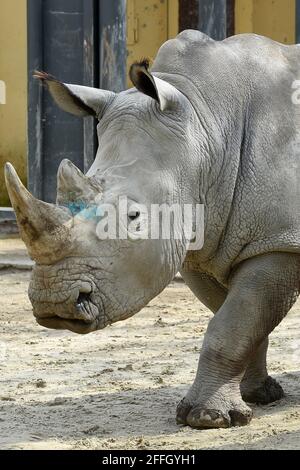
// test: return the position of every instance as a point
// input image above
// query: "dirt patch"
(118, 388)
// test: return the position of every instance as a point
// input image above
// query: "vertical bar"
(297, 21)
(212, 18)
(35, 97)
(63, 58)
(112, 26)
(90, 75)
(188, 14)
(230, 17)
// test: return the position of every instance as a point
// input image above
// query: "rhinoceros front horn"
(43, 227)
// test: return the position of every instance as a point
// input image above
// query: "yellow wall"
(13, 71)
(273, 18)
(149, 24)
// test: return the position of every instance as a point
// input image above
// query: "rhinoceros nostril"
(82, 298)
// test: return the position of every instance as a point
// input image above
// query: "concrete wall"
(13, 71)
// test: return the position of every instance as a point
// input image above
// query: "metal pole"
(35, 97)
(112, 26)
(297, 21)
(216, 18)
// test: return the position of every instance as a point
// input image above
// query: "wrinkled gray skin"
(225, 136)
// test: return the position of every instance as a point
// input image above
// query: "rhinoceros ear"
(168, 97)
(75, 99)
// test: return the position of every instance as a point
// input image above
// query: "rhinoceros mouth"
(82, 317)
(76, 326)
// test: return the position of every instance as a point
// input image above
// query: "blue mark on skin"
(76, 207)
(86, 211)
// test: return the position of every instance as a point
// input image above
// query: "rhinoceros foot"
(215, 415)
(266, 392)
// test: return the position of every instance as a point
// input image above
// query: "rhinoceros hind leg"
(268, 391)
(257, 386)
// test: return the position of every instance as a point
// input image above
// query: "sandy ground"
(118, 388)
(13, 253)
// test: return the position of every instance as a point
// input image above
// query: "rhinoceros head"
(82, 280)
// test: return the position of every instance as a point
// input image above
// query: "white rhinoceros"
(215, 123)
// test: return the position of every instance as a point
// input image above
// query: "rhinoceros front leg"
(257, 386)
(262, 290)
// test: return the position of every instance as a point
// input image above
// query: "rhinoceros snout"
(65, 297)
(52, 308)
